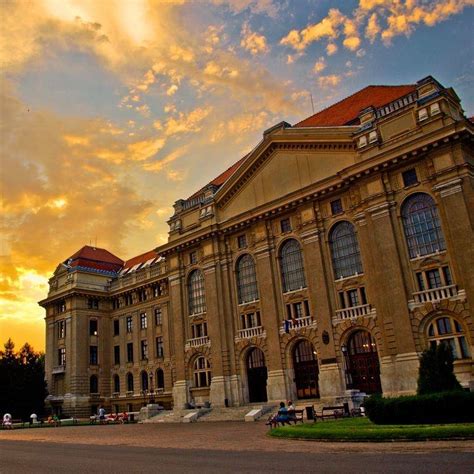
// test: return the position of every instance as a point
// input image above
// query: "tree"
(436, 372)
(22, 384)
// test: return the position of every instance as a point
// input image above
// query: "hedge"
(444, 407)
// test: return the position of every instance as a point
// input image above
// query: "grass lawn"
(362, 429)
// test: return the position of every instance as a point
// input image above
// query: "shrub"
(444, 407)
(436, 371)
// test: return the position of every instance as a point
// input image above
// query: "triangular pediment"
(279, 168)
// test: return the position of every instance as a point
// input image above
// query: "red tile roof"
(96, 258)
(144, 257)
(347, 110)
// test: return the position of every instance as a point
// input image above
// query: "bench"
(296, 415)
(332, 412)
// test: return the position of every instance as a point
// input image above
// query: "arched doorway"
(362, 361)
(306, 369)
(256, 376)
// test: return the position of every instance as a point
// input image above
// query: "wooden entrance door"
(256, 376)
(363, 363)
(306, 369)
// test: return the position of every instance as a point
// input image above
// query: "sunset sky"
(111, 110)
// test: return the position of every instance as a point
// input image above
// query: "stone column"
(458, 231)
(177, 315)
(217, 334)
(319, 280)
(389, 295)
(268, 286)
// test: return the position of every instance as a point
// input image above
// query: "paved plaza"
(215, 447)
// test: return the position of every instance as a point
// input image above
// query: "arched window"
(422, 227)
(160, 379)
(196, 294)
(447, 330)
(246, 279)
(144, 379)
(291, 266)
(116, 383)
(344, 250)
(93, 384)
(202, 372)
(130, 382)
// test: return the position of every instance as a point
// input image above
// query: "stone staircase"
(208, 415)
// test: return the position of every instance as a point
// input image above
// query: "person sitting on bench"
(281, 417)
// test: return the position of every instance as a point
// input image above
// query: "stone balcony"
(59, 369)
(435, 295)
(354, 312)
(248, 333)
(297, 324)
(197, 342)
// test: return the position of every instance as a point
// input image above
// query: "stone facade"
(348, 284)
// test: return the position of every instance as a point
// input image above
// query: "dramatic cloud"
(253, 42)
(384, 18)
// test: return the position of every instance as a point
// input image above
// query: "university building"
(325, 260)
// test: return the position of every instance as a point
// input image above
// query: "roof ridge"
(349, 96)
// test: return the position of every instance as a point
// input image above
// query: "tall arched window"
(344, 250)
(196, 294)
(93, 384)
(202, 372)
(130, 382)
(160, 379)
(246, 279)
(447, 330)
(144, 379)
(422, 227)
(291, 266)
(116, 383)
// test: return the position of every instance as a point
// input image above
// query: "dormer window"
(362, 141)
(373, 136)
(434, 109)
(422, 115)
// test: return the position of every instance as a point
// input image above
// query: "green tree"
(436, 372)
(22, 384)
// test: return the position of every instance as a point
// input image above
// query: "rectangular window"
(363, 296)
(193, 258)
(116, 355)
(144, 350)
(409, 177)
(93, 355)
(433, 278)
(159, 347)
(336, 207)
(285, 225)
(420, 281)
(115, 303)
(128, 299)
(242, 241)
(143, 321)
(353, 297)
(61, 329)
(342, 300)
(116, 327)
(142, 296)
(298, 310)
(92, 303)
(93, 327)
(130, 352)
(288, 311)
(306, 308)
(62, 356)
(61, 306)
(158, 320)
(156, 291)
(129, 324)
(447, 276)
